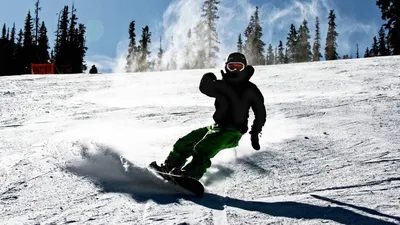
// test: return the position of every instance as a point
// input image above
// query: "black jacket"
(234, 100)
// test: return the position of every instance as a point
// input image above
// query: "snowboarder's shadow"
(286, 209)
(297, 210)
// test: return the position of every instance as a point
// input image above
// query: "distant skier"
(234, 96)
(93, 70)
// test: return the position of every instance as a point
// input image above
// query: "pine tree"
(390, 10)
(331, 37)
(70, 46)
(61, 50)
(270, 55)
(81, 48)
(286, 59)
(303, 45)
(12, 37)
(383, 51)
(72, 43)
(317, 42)
(259, 44)
(357, 53)
(144, 49)
(291, 43)
(254, 46)
(6, 52)
(19, 54)
(11, 51)
(281, 54)
(28, 45)
(57, 41)
(73, 22)
(43, 44)
(160, 56)
(52, 56)
(374, 51)
(3, 55)
(3, 32)
(367, 53)
(210, 17)
(240, 44)
(37, 9)
(248, 47)
(276, 61)
(132, 50)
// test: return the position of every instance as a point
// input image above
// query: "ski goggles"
(232, 66)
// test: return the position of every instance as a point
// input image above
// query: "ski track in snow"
(330, 148)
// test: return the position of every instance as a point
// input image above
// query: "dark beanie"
(237, 57)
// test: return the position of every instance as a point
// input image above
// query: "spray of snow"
(96, 148)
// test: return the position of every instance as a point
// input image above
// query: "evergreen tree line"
(387, 42)
(202, 44)
(31, 44)
(297, 47)
(138, 54)
(201, 47)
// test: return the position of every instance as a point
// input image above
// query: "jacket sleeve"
(209, 85)
(260, 114)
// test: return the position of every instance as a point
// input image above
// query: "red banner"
(47, 68)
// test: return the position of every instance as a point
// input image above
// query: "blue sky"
(107, 21)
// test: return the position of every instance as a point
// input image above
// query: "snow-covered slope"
(330, 148)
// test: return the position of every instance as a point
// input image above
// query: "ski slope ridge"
(330, 148)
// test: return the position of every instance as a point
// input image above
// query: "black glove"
(222, 73)
(254, 140)
(210, 76)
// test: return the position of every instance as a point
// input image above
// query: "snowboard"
(190, 184)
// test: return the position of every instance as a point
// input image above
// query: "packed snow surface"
(330, 148)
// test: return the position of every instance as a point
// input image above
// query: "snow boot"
(170, 163)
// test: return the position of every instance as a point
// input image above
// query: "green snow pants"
(203, 144)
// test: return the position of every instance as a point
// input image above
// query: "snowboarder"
(234, 96)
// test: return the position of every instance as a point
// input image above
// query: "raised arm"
(208, 85)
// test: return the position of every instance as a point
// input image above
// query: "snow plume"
(178, 19)
(113, 172)
(106, 64)
(182, 16)
(98, 151)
